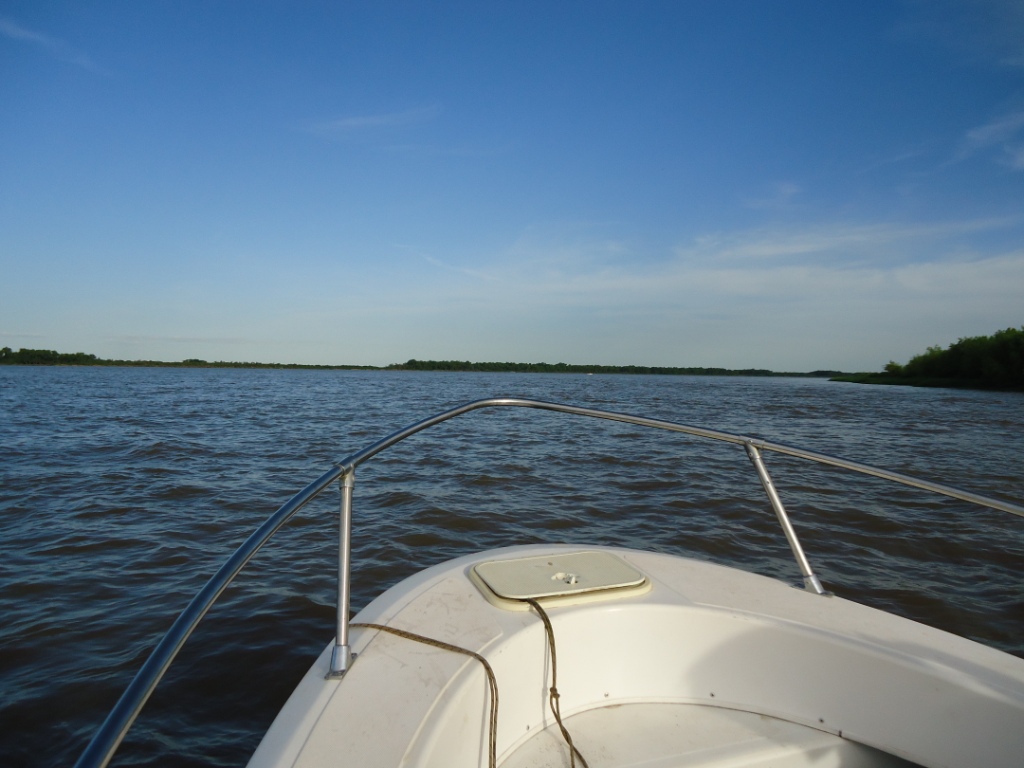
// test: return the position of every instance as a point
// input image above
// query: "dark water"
(121, 490)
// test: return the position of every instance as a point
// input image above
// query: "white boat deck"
(684, 735)
(710, 666)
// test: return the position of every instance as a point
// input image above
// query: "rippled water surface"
(122, 490)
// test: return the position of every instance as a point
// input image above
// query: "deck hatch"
(559, 577)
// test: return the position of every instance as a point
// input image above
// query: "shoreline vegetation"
(993, 362)
(50, 357)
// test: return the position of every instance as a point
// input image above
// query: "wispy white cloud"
(1006, 25)
(52, 46)
(1004, 135)
(735, 300)
(792, 272)
(468, 152)
(921, 150)
(782, 197)
(995, 132)
(474, 273)
(990, 31)
(191, 340)
(1015, 157)
(848, 242)
(356, 124)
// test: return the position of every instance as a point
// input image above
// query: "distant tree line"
(46, 357)
(980, 362)
(460, 365)
(49, 357)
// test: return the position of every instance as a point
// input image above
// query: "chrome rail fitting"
(106, 740)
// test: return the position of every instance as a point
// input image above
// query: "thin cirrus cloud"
(846, 260)
(473, 273)
(1005, 133)
(843, 262)
(190, 340)
(51, 46)
(847, 242)
(354, 125)
(982, 30)
(781, 198)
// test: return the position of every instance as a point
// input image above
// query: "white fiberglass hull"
(706, 665)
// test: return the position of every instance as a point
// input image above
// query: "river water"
(123, 489)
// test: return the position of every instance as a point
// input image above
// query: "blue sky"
(788, 185)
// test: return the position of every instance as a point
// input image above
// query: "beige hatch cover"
(559, 577)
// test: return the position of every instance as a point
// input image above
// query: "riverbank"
(993, 362)
(51, 357)
(923, 381)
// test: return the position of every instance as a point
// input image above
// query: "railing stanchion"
(811, 582)
(342, 656)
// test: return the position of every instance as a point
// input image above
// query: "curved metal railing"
(120, 719)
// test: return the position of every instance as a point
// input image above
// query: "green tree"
(990, 361)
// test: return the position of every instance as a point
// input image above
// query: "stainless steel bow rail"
(120, 719)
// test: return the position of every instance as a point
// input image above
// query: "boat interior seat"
(677, 735)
